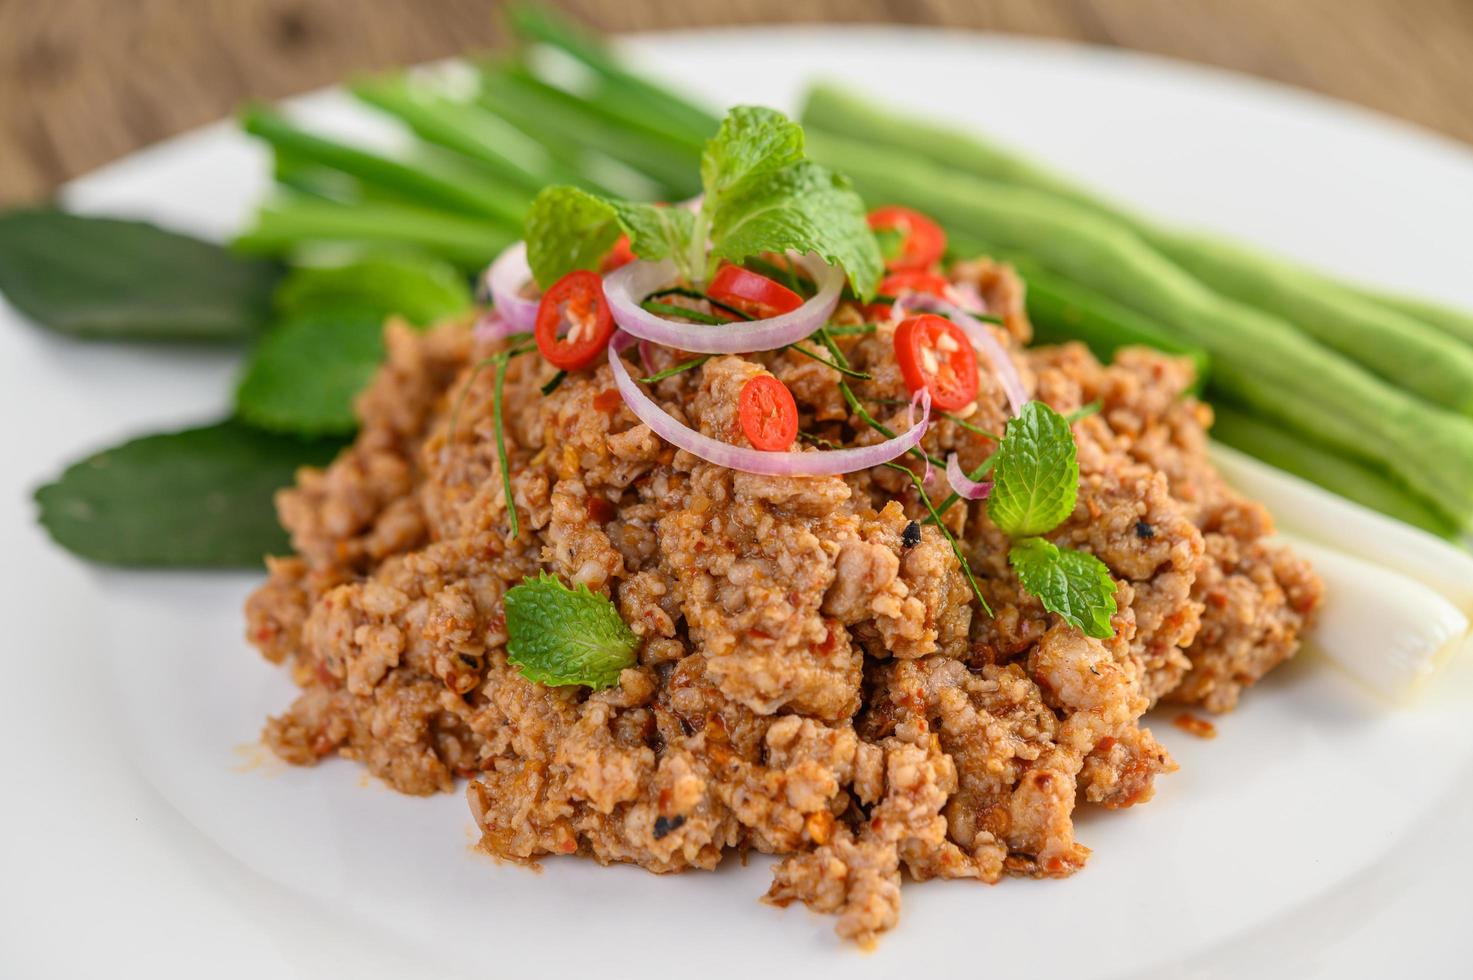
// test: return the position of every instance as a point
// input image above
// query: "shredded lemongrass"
(945, 531)
(852, 400)
(496, 394)
(670, 372)
(670, 309)
(697, 294)
(1084, 411)
(498, 361)
(843, 369)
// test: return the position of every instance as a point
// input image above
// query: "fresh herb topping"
(762, 194)
(568, 229)
(559, 636)
(1035, 483)
(1071, 583)
(1036, 476)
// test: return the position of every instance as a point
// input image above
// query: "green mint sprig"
(559, 636)
(1035, 483)
(762, 194)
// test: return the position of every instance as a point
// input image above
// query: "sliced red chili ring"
(922, 242)
(574, 322)
(751, 292)
(768, 414)
(621, 254)
(934, 354)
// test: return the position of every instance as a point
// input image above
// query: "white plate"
(1320, 834)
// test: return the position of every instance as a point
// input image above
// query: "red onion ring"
(504, 280)
(981, 338)
(627, 287)
(964, 486)
(646, 357)
(490, 326)
(826, 462)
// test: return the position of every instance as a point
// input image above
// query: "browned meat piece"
(814, 678)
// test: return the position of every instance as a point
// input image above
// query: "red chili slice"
(922, 241)
(751, 292)
(934, 354)
(768, 414)
(574, 322)
(913, 281)
(620, 254)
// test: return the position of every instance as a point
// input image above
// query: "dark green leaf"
(1074, 584)
(128, 280)
(558, 636)
(198, 498)
(417, 287)
(305, 373)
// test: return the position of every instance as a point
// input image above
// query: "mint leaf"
(201, 498)
(655, 232)
(764, 195)
(419, 288)
(805, 208)
(568, 228)
(1036, 477)
(558, 636)
(305, 373)
(1071, 583)
(752, 141)
(761, 195)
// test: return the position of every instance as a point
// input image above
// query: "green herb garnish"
(559, 636)
(419, 288)
(306, 371)
(670, 372)
(1074, 584)
(1036, 475)
(129, 280)
(762, 194)
(200, 498)
(956, 548)
(1035, 483)
(670, 309)
(843, 369)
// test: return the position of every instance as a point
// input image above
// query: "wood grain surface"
(85, 81)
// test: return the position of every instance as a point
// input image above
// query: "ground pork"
(814, 678)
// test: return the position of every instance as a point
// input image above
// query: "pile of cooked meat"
(815, 679)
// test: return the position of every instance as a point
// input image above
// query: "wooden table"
(85, 81)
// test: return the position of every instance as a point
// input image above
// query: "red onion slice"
(981, 338)
(828, 462)
(490, 326)
(627, 287)
(647, 357)
(504, 280)
(964, 486)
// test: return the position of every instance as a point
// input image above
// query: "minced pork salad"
(744, 524)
